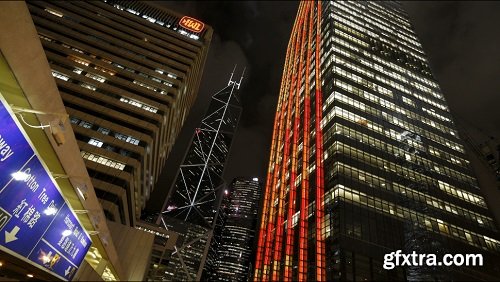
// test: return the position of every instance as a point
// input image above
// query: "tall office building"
(52, 226)
(211, 261)
(193, 202)
(234, 249)
(128, 74)
(365, 157)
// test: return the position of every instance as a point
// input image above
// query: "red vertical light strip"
(274, 194)
(303, 224)
(286, 155)
(320, 190)
(266, 203)
(278, 240)
(279, 162)
(293, 174)
(266, 221)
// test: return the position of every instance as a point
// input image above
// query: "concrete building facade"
(128, 73)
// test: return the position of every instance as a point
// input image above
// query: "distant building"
(490, 150)
(212, 260)
(484, 153)
(193, 202)
(163, 247)
(128, 74)
(365, 157)
(233, 253)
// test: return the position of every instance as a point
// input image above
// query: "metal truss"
(196, 194)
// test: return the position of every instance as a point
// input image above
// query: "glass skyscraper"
(365, 157)
(232, 253)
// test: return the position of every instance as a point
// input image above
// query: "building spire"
(231, 81)
(231, 78)
(241, 78)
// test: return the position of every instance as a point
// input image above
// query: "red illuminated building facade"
(365, 157)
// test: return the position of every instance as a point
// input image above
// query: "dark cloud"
(461, 41)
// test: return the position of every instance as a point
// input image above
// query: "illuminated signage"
(191, 24)
(36, 223)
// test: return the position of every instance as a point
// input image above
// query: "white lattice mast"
(196, 193)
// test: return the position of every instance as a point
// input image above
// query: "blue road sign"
(35, 221)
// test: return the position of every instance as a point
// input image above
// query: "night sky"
(460, 39)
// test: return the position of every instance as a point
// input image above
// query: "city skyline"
(392, 157)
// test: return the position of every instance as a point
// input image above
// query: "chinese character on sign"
(68, 246)
(20, 208)
(28, 214)
(64, 243)
(33, 220)
(61, 241)
(83, 242)
(76, 232)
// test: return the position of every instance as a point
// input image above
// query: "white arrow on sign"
(67, 271)
(11, 236)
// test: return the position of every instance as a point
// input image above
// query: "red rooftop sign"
(191, 24)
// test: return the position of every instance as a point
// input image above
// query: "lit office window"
(54, 12)
(74, 120)
(82, 123)
(132, 11)
(150, 19)
(102, 160)
(96, 77)
(118, 7)
(144, 85)
(118, 66)
(45, 38)
(408, 101)
(127, 138)
(59, 75)
(79, 60)
(139, 104)
(88, 86)
(95, 142)
(103, 130)
(105, 70)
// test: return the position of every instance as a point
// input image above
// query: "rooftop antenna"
(230, 79)
(241, 78)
